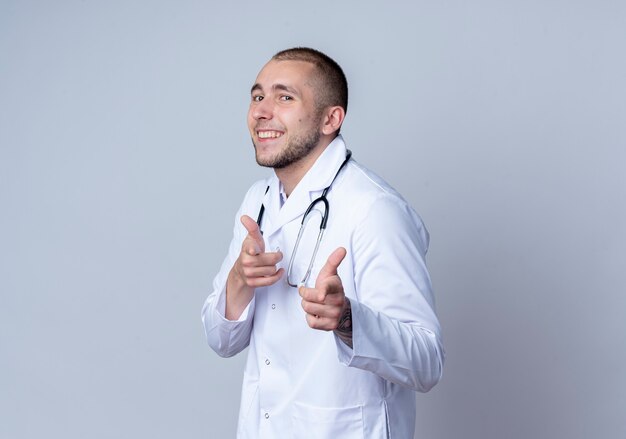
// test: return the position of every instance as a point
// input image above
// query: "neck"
(291, 175)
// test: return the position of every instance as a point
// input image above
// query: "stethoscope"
(305, 219)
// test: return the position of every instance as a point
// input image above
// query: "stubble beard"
(297, 148)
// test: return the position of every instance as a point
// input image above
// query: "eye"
(286, 98)
(257, 98)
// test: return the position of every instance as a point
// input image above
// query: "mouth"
(269, 134)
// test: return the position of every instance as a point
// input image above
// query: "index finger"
(254, 232)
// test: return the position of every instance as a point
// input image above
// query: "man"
(340, 352)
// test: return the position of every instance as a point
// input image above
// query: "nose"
(263, 109)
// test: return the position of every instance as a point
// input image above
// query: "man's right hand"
(253, 268)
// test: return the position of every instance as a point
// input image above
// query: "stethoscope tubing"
(321, 199)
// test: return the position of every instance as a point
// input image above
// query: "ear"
(332, 120)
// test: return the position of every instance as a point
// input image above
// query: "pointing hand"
(253, 268)
(326, 303)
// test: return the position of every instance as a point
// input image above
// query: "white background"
(124, 155)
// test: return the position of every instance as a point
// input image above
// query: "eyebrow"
(282, 87)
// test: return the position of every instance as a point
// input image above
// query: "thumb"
(330, 267)
(254, 233)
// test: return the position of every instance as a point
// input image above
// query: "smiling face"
(284, 121)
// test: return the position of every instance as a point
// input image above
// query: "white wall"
(124, 155)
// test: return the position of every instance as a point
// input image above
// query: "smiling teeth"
(269, 134)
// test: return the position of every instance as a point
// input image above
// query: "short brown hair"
(333, 90)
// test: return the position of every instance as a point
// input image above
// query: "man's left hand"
(326, 303)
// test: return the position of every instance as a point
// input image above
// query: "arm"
(403, 353)
(395, 331)
(391, 328)
(227, 312)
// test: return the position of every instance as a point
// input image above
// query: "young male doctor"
(340, 322)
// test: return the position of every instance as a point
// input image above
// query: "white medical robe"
(305, 383)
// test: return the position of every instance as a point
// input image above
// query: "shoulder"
(366, 188)
(375, 204)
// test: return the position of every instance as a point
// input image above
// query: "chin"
(265, 160)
